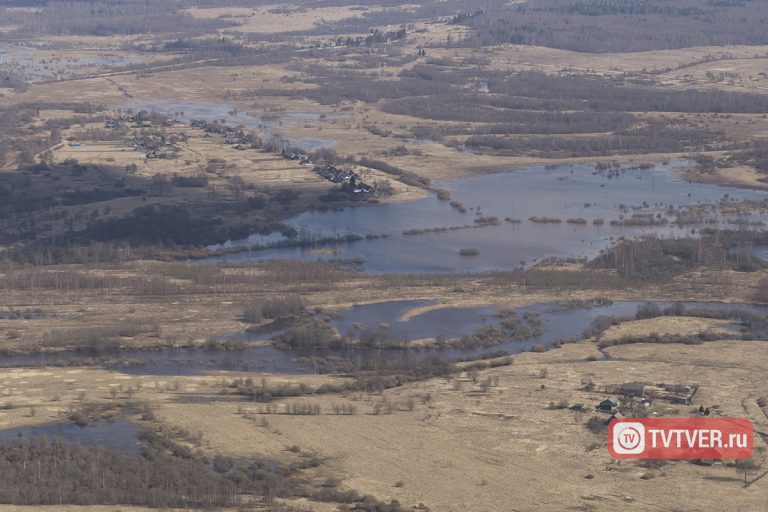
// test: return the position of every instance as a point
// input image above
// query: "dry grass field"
(277, 18)
(460, 447)
(402, 95)
(344, 124)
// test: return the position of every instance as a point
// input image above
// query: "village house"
(608, 405)
(295, 156)
(149, 142)
(362, 188)
(350, 180)
(334, 174)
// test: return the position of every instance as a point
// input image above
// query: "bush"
(596, 425)
(272, 308)
(648, 310)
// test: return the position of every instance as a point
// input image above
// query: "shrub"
(596, 425)
(648, 310)
(278, 307)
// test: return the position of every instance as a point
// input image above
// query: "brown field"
(684, 326)
(277, 18)
(190, 304)
(215, 85)
(490, 439)
(461, 447)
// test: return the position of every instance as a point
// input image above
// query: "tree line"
(617, 25)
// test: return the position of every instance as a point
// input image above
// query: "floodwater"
(35, 64)
(267, 122)
(118, 435)
(560, 322)
(761, 252)
(448, 322)
(569, 192)
(23, 315)
(171, 361)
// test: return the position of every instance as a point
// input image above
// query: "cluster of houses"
(344, 177)
(152, 146)
(645, 393)
(350, 179)
(113, 124)
(236, 138)
(137, 122)
(296, 156)
(334, 174)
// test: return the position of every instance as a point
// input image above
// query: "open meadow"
(383, 257)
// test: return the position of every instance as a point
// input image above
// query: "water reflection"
(119, 434)
(559, 322)
(638, 201)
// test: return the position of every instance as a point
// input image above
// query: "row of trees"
(106, 18)
(274, 308)
(42, 472)
(653, 257)
(536, 90)
(517, 112)
(618, 25)
(756, 156)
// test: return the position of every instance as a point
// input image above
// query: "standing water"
(588, 198)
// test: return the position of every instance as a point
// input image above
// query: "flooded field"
(558, 322)
(266, 122)
(35, 64)
(761, 251)
(569, 212)
(171, 361)
(118, 435)
(449, 322)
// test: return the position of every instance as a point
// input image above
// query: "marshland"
(332, 256)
